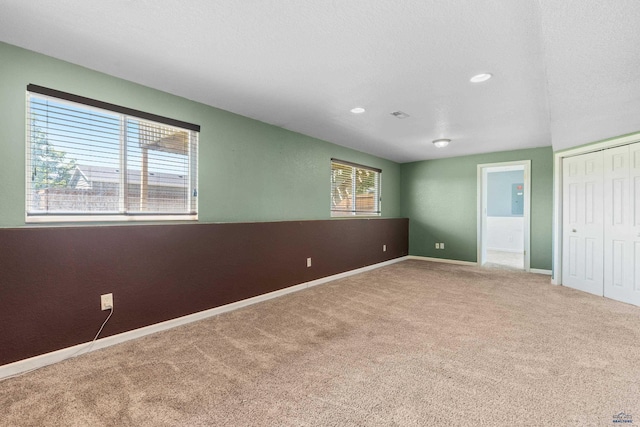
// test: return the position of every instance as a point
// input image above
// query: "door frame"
(558, 157)
(481, 199)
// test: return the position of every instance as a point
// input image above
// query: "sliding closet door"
(634, 232)
(617, 219)
(622, 223)
(582, 223)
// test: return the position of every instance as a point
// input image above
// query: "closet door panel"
(583, 222)
(634, 230)
(621, 188)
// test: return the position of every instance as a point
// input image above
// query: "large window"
(90, 159)
(355, 189)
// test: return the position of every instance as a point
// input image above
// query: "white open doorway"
(504, 195)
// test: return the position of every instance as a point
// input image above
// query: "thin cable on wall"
(76, 354)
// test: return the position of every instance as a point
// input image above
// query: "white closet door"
(583, 232)
(617, 220)
(634, 231)
(622, 223)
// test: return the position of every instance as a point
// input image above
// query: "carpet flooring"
(411, 344)
(505, 259)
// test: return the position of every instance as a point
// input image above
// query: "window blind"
(355, 189)
(95, 158)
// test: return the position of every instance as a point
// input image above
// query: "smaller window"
(355, 189)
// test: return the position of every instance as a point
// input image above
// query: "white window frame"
(377, 198)
(124, 113)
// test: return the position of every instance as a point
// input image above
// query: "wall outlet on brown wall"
(106, 302)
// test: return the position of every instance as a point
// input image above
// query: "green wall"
(439, 197)
(248, 170)
(252, 171)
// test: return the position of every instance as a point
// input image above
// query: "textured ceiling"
(564, 71)
(593, 67)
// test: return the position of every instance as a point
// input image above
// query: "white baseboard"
(539, 271)
(447, 261)
(32, 363)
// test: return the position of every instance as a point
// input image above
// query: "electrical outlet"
(384, 248)
(106, 302)
(437, 245)
(308, 262)
(441, 245)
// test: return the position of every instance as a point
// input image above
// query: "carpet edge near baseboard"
(469, 263)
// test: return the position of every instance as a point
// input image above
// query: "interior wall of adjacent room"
(505, 229)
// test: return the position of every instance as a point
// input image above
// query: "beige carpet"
(412, 344)
(505, 259)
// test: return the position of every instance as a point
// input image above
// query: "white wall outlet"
(437, 245)
(308, 262)
(384, 248)
(106, 302)
(441, 245)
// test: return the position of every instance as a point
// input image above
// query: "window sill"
(47, 219)
(357, 215)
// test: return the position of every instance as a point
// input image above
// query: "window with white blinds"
(90, 158)
(355, 189)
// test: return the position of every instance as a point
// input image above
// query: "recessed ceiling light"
(441, 143)
(358, 110)
(479, 78)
